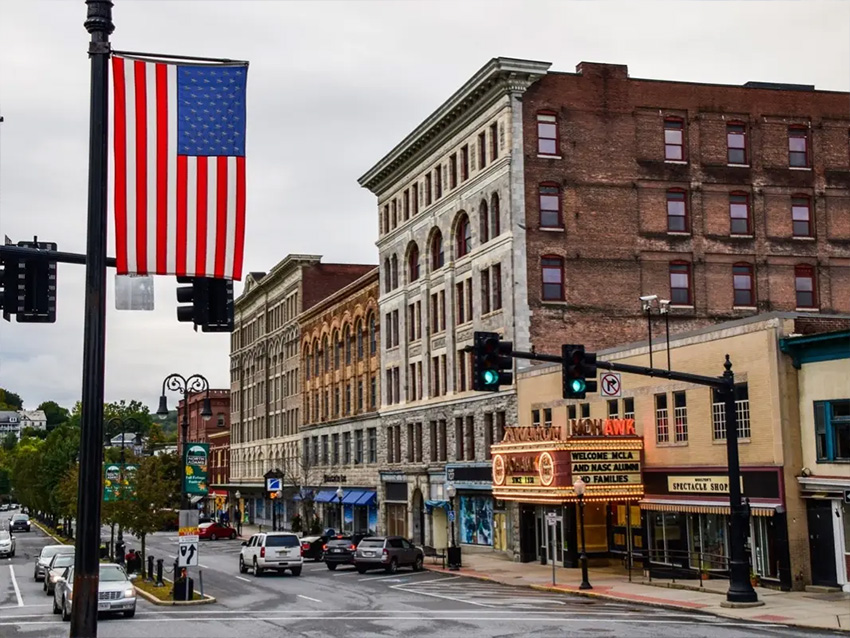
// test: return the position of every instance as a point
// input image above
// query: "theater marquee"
(540, 464)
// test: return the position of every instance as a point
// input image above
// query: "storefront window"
(765, 563)
(397, 519)
(476, 520)
(666, 543)
(708, 541)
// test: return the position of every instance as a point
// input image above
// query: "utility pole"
(86, 565)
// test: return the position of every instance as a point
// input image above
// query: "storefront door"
(551, 536)
(822, 542)
(527, 522)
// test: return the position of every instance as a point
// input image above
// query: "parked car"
(4, 507)
(387, 553)
(54, 571)
(7, 543)
(214, 531)
(115, 592)
(47, 553)
(311, 546)
(271, 551)
(340, 550)
(20, 523)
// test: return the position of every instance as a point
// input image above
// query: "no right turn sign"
(609, 385)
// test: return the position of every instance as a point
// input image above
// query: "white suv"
(271, 550)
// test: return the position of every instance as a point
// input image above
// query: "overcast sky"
(332, 87)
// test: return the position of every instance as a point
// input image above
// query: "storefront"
(474, 506)
(686, 522)
(828, 515)
(535, 468)
(395, 503)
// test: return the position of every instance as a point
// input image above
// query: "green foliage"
(55, 413)
(10, 441)
(10, 401)
(34, 433)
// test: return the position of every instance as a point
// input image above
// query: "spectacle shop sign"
(540, 464)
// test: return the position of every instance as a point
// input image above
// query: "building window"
(494, 141)
(335, 448)
(453, 170)
(535, 418)
(804, 286)
(437, 257)
(832, 430)
(801, 216)
(742, 284)
(413, 263)
(629, 408)
(547, 417)
(415, 198)
(571, 412)
(438, 182)
(680, 416)
(346, 448)
(736, 143)
(461, 357)
(373, 393)
(662, 424)
(470, 438)
(460, 305)
(395, 213)
(674, 139)
(394, 271)
(550, 206)
(373, 335)
(485, 291)
(459, 438)
(463, 236)
(613, 409)
(739, 214)
(547, 134)
(495, 226)
(406, 204)
(584, 410)
(464, 163)
(553, 278)
(373, 445)
(390, 446)
(677, 211)
(428, 189)
(742, 413)
(358, 446)
(798, 146)
(680, 283)
(496, 285)
(358, 333)
(482, 150)
(483, 222)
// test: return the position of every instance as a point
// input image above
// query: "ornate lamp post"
(579, 487)
(339, 494)
(454, 550)
(194, 384)
(238, 496)
(135, 427)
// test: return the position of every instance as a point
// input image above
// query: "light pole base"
(733, 605)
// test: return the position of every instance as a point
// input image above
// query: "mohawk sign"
(195, 468)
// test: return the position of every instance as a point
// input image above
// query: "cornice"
(497, 78)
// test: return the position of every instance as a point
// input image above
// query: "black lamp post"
(454, 558)
(579, 487)
(193, 385)
(135, 427)
(339, 494)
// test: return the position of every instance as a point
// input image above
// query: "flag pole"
(86, 563)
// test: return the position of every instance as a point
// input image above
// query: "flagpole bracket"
(99, 48)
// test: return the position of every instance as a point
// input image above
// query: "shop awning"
(430, 505)
(368, 498)
(701, 507)
(325, 496)
(352, 496)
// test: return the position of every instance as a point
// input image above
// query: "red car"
(214, 531)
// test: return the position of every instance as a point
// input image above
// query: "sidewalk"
(803, 609)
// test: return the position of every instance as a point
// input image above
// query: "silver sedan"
(7, 543)
(115, 592)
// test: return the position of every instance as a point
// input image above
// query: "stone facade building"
(541, 205)
(265, 374)
(341, 380)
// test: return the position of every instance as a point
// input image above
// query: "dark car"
(20, 523)
(387, 553)
(214, 531)
(340, 549)
(312, 547)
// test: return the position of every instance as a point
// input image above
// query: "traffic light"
(29, 285)
(492, 364)
(579, 371)
(211, 303)
(9, 267)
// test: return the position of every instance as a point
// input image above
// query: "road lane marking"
(394, 576)
(247, 580)
(435, 580)
(315, 600)
(15, 585)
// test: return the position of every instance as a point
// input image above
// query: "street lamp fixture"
(579, 486)
(454, 550)
(339, 495)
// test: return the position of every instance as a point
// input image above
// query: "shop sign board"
(607, 467)
(700, 484)
(195, 459)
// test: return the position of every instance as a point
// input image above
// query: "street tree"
(55, 413)
(10, 401)
(145, 512)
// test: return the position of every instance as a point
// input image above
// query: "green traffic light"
(578, 385)
(490, 377)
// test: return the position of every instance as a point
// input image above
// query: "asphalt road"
(321, 603)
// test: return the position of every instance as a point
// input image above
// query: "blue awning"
(429, 505)
(369, 498)
(325, 496)
(352, 496)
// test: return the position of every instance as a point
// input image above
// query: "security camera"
(649, 298)
(664, 306)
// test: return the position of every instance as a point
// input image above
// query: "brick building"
(541, 205)
(199, 430)
(265, 371)
(340, 389)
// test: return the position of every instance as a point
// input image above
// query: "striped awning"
(696, 507)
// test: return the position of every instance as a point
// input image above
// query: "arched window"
(463, 236)
(483, 222)
(412, 262)
(316, 357)
(373, 335)
(327, 353)
(388, 278)
(394, 271)
(437, 257)
(308, 360)
(495, 222)
(337, 346)
(346, 339)
(358, 331)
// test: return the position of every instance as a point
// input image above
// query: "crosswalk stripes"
(483, 594)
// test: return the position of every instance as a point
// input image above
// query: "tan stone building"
(340, 381)
(681, 521)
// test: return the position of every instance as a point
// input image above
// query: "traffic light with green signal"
(492, 365)
(579, 371)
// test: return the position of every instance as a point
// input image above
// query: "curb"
(660, 605)
(206, 600)
(43, 529)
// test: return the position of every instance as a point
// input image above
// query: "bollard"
(201, 581)
(149, 575)
(159, 562)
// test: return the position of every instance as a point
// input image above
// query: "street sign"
(609, 384)
(188, 554)
(188, 526)
(273, 484)
(553, 519)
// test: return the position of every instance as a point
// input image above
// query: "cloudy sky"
(332, 87)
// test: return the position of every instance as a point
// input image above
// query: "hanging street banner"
(128, 487)
(195, 468)
(111, 482)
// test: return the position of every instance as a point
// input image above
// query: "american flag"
(179, 136)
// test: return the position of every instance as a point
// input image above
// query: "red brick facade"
(613, 179)
(200, 430)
